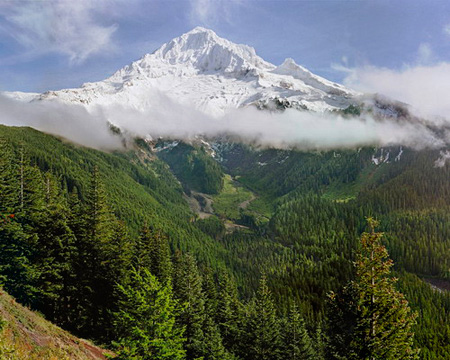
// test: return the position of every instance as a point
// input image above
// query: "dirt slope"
(27, 335)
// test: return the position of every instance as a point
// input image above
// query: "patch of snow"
(166, 146)
(442, 160)
(382, 158)
(283, 160)
(398, 157)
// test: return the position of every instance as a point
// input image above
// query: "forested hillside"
(105, 244)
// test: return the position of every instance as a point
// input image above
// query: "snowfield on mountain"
(212, 74)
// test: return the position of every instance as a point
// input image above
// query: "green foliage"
(6, 351)
(152, 252)
(297, 343)
(229, 312)
(70, 238)
(195, 168)
(263, 327)
(147, 320)
(211, 226)
(203, 339)
(228, 202)
(432, 333)
(378, 321)
(140, 188)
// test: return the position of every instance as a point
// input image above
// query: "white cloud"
(426, 88)
(446, 29)
(425, 84)
(71, 28)
(211, 12)
(424, 54)
(292, 128)
(73, 122)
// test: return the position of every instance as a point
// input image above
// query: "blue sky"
(49, 45)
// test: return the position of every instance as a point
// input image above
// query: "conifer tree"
(229, 313)
(95, 284)
(147, 320)
(153, 252)
(263, 328)
(384, 325)
(378, 315)
(9, 189)
(56, 249)
(188, 290)
(297, 344)
(22, 193)
(319, 343)
(214, 343)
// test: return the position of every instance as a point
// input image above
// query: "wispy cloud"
(211, 12)
(71, 28)
(424, 84)
(424, 87)
(424, 54)
(446, 29)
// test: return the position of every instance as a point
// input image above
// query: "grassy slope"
(29, 336)
(227, 202)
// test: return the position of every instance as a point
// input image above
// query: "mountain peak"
(215, 75)
(200, 29)
(204, 50)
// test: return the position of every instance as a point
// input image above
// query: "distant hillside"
(27, 335)
(141, 188)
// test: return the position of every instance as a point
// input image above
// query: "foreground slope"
(29, 336)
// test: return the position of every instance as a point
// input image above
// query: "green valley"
(232, 246)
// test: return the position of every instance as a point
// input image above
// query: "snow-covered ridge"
(212, 74)
(207, 52)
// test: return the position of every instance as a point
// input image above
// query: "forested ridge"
(105, 246)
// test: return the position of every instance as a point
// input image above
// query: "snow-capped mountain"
(213, 74)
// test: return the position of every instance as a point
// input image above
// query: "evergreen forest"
(215, 250)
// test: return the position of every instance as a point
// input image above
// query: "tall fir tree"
(22, 193)
(96, 239)
(152, 251)
(215, 348)
(146, 320)
(55, 252)
(229, 314)
(379, 315)
(297, 344)
(263, 328)
(188, 290)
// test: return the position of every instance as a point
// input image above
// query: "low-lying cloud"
(290, 129)
(425, 87)
(73, 122)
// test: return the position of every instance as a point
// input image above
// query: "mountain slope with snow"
(212, 74)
